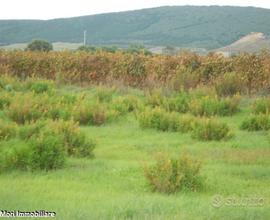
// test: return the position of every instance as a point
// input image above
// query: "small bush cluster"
(207, 106)
(90, 113)
(125, 104)
(208, 129)
(169, 175)
(25, 107)
(228, 84)
(159, 119)
(178, 103)
(256, 123)
(7, 130)
(5, 100)
(261, 106)
(46, 146)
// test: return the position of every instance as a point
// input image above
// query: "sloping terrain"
(180, 26)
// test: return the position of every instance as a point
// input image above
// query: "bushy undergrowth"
(90, 113)
(126, 104)
(26, 107)
(208, 129)
(169, 175)
(178, 103)
(229, 84)
(73, 139)
(45, 146)
(7, 130)
(207, 106)
(5, 100)
(261, 106)
(256, 123)
(159, 119)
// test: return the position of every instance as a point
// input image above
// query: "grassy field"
(236, 176)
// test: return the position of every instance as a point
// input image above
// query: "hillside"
(253, 42)
(181, 26)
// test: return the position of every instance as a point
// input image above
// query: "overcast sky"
(47, 9)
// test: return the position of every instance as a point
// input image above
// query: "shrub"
(125, 104)
(72, 138)
(15, 157)
(207, 106)
(159, 119)
(178, 103)
(39, 86)
(46, 152)
(210, 129)
(256, 123)
(40, 45)
(156, 118)
(10, 83)
(90, 114)
(5, 100)
(25, 108)
(261, 106)
(104, 94)
(7, 130)
(27, 131)
(155, 98)
(228, 84)
(168, 175)
(185, 79)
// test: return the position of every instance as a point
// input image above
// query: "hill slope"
(182, 26)
(253, 42)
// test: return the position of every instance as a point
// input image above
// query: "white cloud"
(46, 9)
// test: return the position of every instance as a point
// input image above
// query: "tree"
(39, 45)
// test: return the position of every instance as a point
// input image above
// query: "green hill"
(181, 26)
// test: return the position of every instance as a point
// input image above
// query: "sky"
(48, 9)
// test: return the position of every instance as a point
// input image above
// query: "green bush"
(104, 94)
(46, 152)
(73, 139)
(256, 123)
(210, 129)
(178, 103)
(5, 100)
(25, 108)
(15, 157)
(7, 130)
(156, 118)
(125, 104)
(90, 113)
(40, 45)
(40, 86)
(261, 106)
(228, 84)
(207, 106)
(159, 119)
(168, 175)
(10, 83)
(155, 98)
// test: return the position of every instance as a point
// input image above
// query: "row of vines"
(244, 73)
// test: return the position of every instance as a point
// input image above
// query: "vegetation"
(67, 138)
(39, 45)
(169, 175)
(149, 26)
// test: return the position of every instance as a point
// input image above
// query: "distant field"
(58, 46)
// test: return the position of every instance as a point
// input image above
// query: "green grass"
(112, 185)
